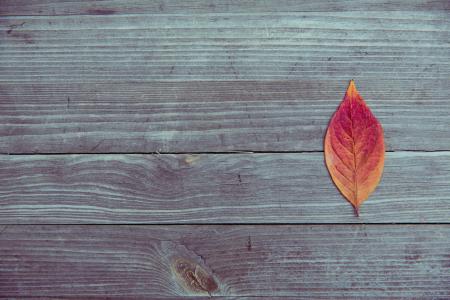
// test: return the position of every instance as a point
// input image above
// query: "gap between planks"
(231, 152)
(228, 224)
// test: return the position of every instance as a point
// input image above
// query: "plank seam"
(231, 152)
(231, 224)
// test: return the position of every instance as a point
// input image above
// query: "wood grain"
(307, 262)
(238, 188)
(218, 81)
(240, 46)
(112, 79)
(209, 116)
(110, 7)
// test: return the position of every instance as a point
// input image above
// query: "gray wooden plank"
(209, 116)
(306, 262)
(400, 59)
(235, 46)
(229, 188)
(109, 7)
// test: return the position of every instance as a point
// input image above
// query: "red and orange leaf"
(354, 148)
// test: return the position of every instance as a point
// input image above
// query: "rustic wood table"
(135, 132)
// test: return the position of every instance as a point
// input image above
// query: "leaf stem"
(356, 209)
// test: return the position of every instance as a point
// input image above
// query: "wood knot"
(192, 276)
(191, 159)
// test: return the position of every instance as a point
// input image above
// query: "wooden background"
(135, 132)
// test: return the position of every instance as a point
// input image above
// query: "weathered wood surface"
(199, 76)
(110, 7)
(230, 188)
(307, 262)
(212, 116)
(218, 82)
(405, 46)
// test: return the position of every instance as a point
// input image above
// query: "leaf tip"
(351, 90)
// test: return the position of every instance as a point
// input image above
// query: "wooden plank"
(263, 46)
(239, 188)
(218, 82)
(207, 116)
(306, 262)
(109, 7)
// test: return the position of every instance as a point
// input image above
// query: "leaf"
(354, 148)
